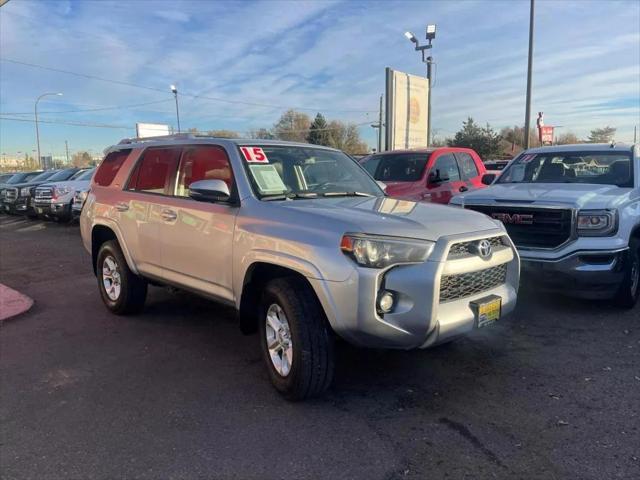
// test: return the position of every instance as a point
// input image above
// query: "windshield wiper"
(346, 194)
(289, 196)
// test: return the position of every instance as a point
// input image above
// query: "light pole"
(431, 34)
(36, 113)
(174, 89)
(527, 115)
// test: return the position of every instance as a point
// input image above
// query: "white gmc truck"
(573, 212)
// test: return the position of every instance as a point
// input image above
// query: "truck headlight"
(596, 223)
(61, 191)
(25, 192)
(380, 252)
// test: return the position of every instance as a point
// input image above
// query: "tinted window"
(603, 168)
(110, 166)
(23, 177)
(154, 170)
(401, 167)
(43, 176)
(85, 174)
(371, 165)
(446, 168)
(203, 163)
(5, 178)
(468, 167)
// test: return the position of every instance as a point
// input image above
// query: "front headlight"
(595, 223)
(25, 192)
(381, 252)
(61, 191)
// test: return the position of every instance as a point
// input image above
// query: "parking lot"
(550, 392)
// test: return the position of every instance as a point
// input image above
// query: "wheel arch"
(101, 233)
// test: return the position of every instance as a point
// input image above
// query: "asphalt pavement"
(552, 392)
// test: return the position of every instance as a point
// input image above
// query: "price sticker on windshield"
(254, 155)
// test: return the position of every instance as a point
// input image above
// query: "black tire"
(133, 289)
(312, 340)
(629, 291)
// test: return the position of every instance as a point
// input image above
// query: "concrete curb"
(12, 303)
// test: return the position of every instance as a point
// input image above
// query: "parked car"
(434, 175)
(4, 177)
(15, 179)
(573, 211)
(78, 202)
(496, 165)
(55, 199)
(301, 241)
(19, 197)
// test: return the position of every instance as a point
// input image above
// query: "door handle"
(122, 206)
(168, 215)
(463, 189)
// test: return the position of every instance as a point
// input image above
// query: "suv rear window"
(110, 166)
(154, 170)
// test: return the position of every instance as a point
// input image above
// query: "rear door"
(142, 204)
(197, 237)
(444, 179)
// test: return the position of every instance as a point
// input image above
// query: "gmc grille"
(43, 193)
(454, 287)
(11, 193)
(543, 228)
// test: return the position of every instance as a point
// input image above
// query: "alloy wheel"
(111, 279)
(279, 342)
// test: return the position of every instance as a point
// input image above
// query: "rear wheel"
(629, 290)
(297, 342)
(122, 291)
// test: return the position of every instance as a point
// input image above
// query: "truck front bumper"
(18, 205)
(420, 318)
(593, 274)
(53, 209)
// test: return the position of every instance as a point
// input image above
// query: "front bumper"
(419, 319)
(17, 205)
(592, 274)
(52, 208)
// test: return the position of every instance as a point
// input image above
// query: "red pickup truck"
(430, 174)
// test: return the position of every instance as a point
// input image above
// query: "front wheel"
(122, 291)
(297, 342)
(629, 290)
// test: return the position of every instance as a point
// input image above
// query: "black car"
(18, 197)
(16, 178)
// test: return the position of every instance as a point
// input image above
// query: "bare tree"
(346, 137)
(292, 126)
(81, 159)
(567, 138)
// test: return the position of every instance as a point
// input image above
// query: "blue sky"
(326, 56)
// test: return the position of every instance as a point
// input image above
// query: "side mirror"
(435, 178)
(209, 191)
(382, 185)
(488, 178)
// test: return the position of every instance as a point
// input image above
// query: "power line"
(182, 94)
(99, 109)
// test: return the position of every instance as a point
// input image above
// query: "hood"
(73, 184)
(574, 195)
(26, 184)
(388, 216)
(398, 189)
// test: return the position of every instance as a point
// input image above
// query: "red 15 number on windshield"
(254, 155)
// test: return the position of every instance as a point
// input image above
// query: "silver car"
(301, 241)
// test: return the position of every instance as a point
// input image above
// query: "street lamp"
(37, 130)
(430, 35)
(174, 89)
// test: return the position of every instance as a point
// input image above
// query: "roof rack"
(175, 136)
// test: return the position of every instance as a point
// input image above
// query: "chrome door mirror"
(382, 185)
(209, 191)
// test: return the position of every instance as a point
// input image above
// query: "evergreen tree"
(318, 133)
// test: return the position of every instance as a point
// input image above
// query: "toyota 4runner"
(301, 241)
(573, 211)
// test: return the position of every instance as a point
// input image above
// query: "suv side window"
(371, 165)
(446, 168)
(206, 162)
(110, 167)
(154, 170)
(467, 166)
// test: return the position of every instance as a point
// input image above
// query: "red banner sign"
(546, 135)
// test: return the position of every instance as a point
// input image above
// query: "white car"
(55, 200)
(573, 212)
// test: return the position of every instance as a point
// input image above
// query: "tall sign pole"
(527, 117)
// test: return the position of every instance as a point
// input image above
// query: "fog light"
(385, 302)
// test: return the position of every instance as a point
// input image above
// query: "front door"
(197, 237)
(443, 179)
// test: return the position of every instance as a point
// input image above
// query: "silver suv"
(301, 241)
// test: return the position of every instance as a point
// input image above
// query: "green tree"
(318, 133)
(292, 126)
(602, 135)
(484, 140)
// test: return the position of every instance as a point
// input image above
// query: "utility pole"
(527, 116)
(429, 62)
(174, 90)
(66, 147)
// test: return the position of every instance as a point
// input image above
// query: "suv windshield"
(601, 168)
(43, 175)
(62, 175)
(83, 174)
(22, 177)
(396, 167)
(305, 172)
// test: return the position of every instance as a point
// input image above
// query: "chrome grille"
(45, 193)
(453, 287)
(11, 193)
(464, 249)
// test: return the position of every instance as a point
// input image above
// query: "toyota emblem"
(484, 248)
